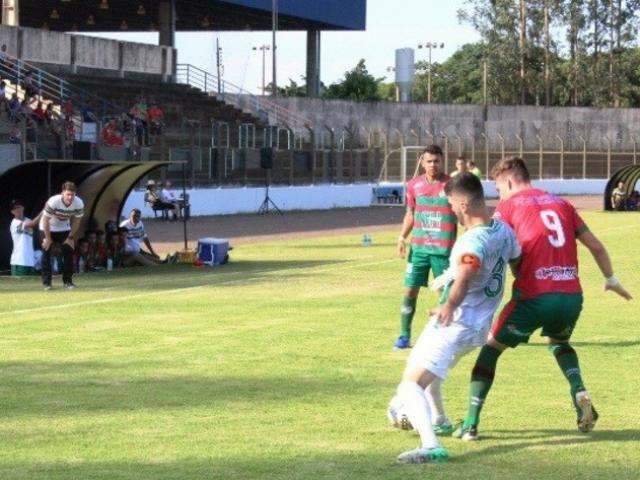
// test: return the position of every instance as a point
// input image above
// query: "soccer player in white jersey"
(472, 290)
(133, 253)
(59, 225)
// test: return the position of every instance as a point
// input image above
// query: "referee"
(59, 226)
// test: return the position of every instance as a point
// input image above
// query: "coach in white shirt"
(59, 225)
(167, 196)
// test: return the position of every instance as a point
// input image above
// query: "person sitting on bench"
(153, 198)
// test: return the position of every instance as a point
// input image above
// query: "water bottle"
(109, 264)
(81, 265)
(55, 265)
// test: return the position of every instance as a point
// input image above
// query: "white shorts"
(439, 348)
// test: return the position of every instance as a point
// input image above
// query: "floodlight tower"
(430, 46)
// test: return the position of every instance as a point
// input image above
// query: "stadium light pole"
(263, 48)
(274, 29)
(430, 46)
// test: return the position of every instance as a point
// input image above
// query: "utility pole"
(430, 46)
(263, 48)
(218, 49)
(484, 82)
(274, 29)
(547, 47)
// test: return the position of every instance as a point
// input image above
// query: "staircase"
(262, 107)
(183, 105)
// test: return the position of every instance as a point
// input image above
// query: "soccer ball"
(397, 416)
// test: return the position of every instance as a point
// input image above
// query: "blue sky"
(390, 25)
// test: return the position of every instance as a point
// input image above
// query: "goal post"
(397, 174)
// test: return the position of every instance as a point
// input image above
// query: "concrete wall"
(142, 58)
(92, 52)
(45, 47)
(65, 52)
(225, 201)
(595, 125)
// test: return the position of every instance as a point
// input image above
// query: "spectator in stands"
(4, 58)
(68, 108)
(39, 114)
(461, 167)
(15, 137)
(29, 85)
(133, 253)
(155, 200)
(50, 115)
(25, 109)
(156, 119)
(169, 197)
(619, 197)
(111, 136)
(473, 168)
(3, 97)
(138, 114)
(14, 108)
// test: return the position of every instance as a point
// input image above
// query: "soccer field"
(279, 366)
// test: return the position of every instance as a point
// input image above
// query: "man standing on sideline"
(546, 293)
(461, 167)
(59, 225)
(22, 256)
(432, 225)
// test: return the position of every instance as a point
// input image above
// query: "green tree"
(358, 85)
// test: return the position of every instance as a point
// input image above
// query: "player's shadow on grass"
(334, 246)
(619, 344)
(541, 438)
(54, 389)
(170, 277)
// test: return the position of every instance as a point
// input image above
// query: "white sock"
(434, 397)
(415, 402)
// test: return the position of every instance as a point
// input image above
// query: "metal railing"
(262, 107)
(54, 89)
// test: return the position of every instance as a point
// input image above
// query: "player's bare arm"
(46, 228)
(407, 226)
(466, 271)
(601, 256)
(32, 223)
(75, 225)
(148, 244)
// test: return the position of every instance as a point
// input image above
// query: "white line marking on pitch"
(178, 290)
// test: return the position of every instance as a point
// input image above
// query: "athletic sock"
(481, 380)
(567, 359)
(407, 312)
(434, 396)
(415, 402)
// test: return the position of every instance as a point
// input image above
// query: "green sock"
(481, 380)
(567, 359)
(407, 312)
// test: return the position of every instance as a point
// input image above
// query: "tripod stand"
(268, 204)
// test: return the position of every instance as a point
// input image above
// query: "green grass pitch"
(279, 366)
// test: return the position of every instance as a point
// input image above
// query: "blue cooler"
(213, 251)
